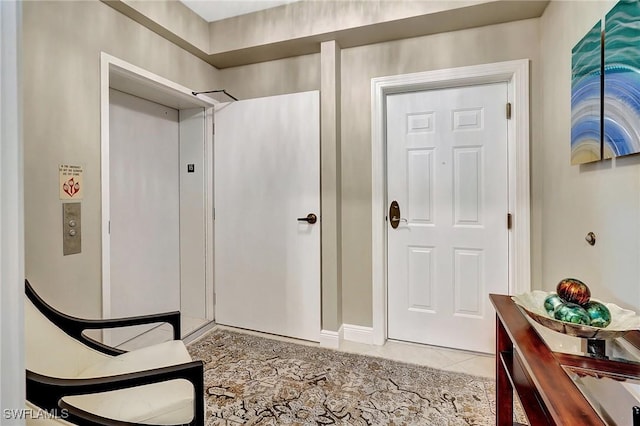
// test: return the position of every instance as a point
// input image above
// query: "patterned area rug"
(253, 380)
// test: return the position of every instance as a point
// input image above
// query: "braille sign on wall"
(71, 185)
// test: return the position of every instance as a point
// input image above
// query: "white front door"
(267, 174)
(144, 210)
(447, 169)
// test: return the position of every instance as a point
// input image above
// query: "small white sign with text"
(71, 184)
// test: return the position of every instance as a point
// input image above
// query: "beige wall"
(62, 45)
(602, 197)
(297, 74)
(62, 41)
(330, 185)
(359, 65)
(174, 18)
(320, 17)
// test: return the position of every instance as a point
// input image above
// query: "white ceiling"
(214, 10)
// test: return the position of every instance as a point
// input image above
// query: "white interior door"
(145, 209)
(447, 169)
(267, 174)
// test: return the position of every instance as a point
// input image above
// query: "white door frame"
(516, 74)
(129, 78)
(12, 351)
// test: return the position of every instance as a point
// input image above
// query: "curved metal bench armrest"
(74, 326)
(46, 392)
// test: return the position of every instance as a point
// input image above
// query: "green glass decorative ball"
(551, 302)
(573, 313)
(599, 314)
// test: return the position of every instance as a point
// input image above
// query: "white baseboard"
(331, 339)
(358, 333)
(352, 333)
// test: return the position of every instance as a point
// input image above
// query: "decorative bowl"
(622, 320)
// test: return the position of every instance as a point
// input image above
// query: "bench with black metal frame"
(47, 392)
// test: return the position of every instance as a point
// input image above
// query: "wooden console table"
(526, 364)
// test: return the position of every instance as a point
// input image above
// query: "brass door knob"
(394, 215)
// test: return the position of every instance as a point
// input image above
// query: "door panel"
(193, 222)
(421, 280)
(144, 210)
(267, 173)
(420, 181)
(447, 168)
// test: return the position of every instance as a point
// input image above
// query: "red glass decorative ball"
(574, 291)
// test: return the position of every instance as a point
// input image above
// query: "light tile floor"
(431, 356)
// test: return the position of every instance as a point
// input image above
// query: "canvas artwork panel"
(586, 72)
(621, 98)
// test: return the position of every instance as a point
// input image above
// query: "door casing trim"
(148, 85)
(516, 74)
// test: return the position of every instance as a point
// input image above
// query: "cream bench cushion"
(37, 417)
(52, 352)
(162, 403)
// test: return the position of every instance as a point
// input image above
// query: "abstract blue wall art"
(622, 80)
(586, 81)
